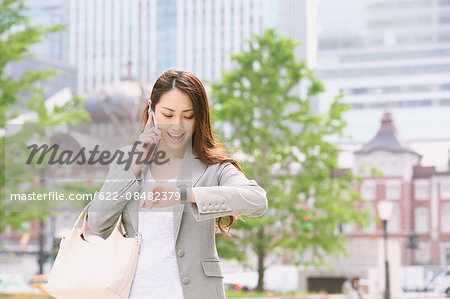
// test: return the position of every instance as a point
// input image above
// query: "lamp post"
(384, 212)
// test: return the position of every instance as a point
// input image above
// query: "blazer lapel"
(191, 171)
(133, 206)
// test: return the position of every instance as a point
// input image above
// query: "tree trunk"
(261, 255)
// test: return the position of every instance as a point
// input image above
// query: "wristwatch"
(183, 194)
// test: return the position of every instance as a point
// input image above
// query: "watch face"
(183, 197)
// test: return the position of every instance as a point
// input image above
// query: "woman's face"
(175, 118)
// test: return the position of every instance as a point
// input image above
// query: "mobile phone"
(154, 117)
(150, 111)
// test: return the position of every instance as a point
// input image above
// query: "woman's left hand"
(165, 196)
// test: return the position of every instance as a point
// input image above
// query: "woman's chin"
(175, 146)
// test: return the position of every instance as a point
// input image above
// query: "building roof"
(386, 139)
(423, 171)
(123, 97)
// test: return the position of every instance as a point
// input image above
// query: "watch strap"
(183, 194)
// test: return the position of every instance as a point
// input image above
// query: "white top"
(157, 273)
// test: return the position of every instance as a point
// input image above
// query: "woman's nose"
(178, 120)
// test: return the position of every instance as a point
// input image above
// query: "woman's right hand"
(149, 136)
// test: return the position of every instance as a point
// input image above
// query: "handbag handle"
(83, 214)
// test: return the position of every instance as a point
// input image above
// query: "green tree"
(288, 151)
(17, 34)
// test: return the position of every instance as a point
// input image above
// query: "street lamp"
(384, 212)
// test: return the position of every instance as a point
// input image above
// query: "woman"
(351, 288)
(178, 260)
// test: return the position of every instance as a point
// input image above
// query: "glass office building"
(49, 13)
(388, 54)
(154, 35)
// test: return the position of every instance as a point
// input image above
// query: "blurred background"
(386, 61)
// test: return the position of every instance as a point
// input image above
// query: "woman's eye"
(169, 116)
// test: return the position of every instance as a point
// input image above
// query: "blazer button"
(204, 208)
(186, 280)
(224, 207)
(217, 207)
(180, 252)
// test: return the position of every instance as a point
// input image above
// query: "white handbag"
(101, 270)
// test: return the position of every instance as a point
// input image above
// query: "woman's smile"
(176, 137)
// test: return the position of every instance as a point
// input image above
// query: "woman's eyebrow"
(181, 111)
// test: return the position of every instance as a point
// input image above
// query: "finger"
(145, 203)
(157, 134)
(151, 138)
(158, 188)
(154, 131)
(149, 204)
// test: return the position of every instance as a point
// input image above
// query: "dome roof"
(121, 96)
(386, 139)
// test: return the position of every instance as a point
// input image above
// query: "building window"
(393, 224)
(372, 227)
(421, 219)
(422, 254)
(368, 190)
(347, 228)
(445, 218)
(421, 188)
(445, 189)
(393, 189)
(447, 258)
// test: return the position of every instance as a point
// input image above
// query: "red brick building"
(421, 197)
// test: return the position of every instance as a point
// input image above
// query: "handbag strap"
(83, 214)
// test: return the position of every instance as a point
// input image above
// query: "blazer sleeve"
(235, 195)
(112, 198)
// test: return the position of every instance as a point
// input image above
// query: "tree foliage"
(287, 148)
(17, 34)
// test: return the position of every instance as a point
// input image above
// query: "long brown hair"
(204, 140)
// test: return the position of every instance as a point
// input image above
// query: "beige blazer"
(219, 189)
